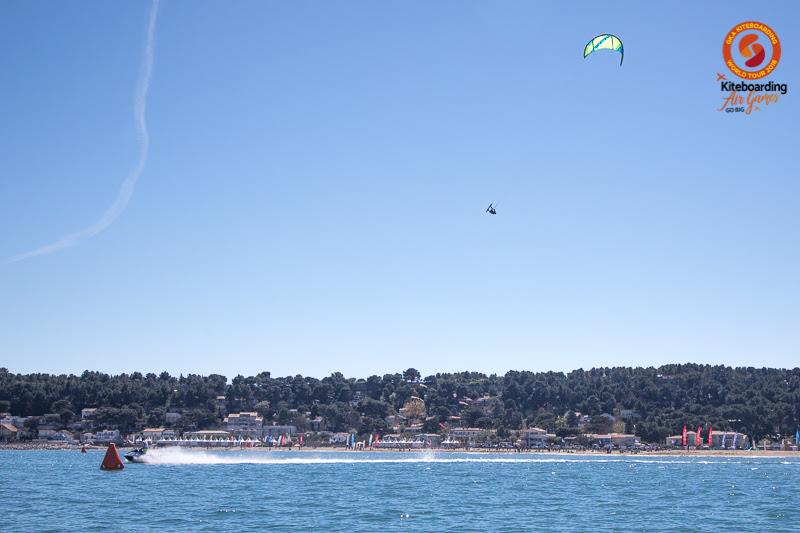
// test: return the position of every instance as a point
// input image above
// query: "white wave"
(129, 183)
(175, 456)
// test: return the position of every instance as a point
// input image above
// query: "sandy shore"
(328, 449)
(601, 453)
(46, 446)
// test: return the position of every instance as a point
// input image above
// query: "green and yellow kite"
(605, 41)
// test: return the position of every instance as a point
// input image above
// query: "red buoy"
(112, 460)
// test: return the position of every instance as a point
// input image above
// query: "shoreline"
(51, 446)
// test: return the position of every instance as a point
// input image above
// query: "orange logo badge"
(751, 50)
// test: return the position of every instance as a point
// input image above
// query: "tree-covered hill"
(651, 402)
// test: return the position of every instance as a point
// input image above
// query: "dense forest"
(650, 402)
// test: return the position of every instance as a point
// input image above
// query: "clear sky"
(313, 195)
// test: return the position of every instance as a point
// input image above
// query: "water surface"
(371, 492)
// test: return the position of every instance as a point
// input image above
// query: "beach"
(58, 446)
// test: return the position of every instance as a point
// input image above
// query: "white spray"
(188, 456)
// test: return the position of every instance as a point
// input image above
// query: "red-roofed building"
(8, 432)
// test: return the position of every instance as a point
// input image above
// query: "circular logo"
(751, 50)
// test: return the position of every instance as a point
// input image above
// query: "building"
(339, 438)
(534, 437)
(245, 423)
(8, 432)
(412, 429)
(317, 424)
(45, 432)
(221, 403)
(88, 415)
(208, 434)
(431, 440)
(485, 401)
(359, 389)
(469, 436)
(153, 434)
(19, 423)
(277, 431)
(63, 436)
(106, 435)
(617, 440)
(729, 440)
(677, 440)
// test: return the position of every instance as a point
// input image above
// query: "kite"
(605, 41)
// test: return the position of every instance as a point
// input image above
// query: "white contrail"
(126, 190)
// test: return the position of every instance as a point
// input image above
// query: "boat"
(136, 455)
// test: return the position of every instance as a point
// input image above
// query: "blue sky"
(313, 196)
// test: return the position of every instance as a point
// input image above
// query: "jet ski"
(136, 456)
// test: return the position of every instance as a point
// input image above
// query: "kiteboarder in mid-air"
(491, 210)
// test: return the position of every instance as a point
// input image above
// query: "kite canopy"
(605, 41)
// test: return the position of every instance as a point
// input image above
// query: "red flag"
(684, 435)
(301, 439)
(710, 442)
(698, 440)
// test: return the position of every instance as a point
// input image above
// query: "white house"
(246, 423)
(107, 435)
(729, 439)
(208, 434)
(619, 440)
(339, 438)
(63, 436)
(45, 432)
(677, 440)
(153, 434)
(468, 436)
(275, 431)
(534, 437)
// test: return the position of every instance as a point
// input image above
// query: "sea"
(190, 490)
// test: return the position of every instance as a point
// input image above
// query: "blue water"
(332, 491)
